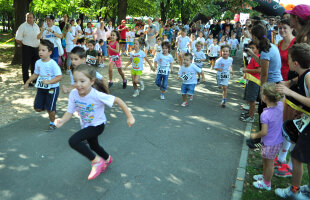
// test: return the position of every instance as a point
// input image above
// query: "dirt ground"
(16, 102)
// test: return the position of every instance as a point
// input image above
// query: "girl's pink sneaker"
(96, 171)
(107, 163)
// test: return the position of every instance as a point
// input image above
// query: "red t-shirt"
(284, 59)
(254, 65)
(123, 32)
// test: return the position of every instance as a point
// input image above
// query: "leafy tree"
(6, 13)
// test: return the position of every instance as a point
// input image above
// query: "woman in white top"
(88, 30)
(72, 22)
(78, 29)
(101, 33)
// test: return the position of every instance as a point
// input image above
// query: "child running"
(78, 57)
(163, 62)
(188, 74)
(199, 58)
(90, 104)
(213, 52)
(223, 66)
(271, 134)
(115, 59)
(183, 42)
(136, 58)
(48, 74)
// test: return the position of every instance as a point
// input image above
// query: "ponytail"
(260, 32)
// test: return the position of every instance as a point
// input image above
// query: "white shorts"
(150, 43)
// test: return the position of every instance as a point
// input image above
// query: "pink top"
(112, 53)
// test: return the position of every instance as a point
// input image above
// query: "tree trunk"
(164, 10)
(21, 7)
(82, 19)
(122, 10)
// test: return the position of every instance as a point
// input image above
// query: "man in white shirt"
(151, 33)
(51, 33)
(26, 37)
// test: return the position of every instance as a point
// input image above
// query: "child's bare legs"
(135, 81)
(202, 76)
(297, 172)
(268, 169)
(111, 71)
(176, 56)
(184, 96)
(51, 115)
(212, 64)
(224, 92)
(120, 71)
(252, 108)
(181, 55)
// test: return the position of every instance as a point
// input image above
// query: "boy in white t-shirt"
(209, 41)
(188, 73)
(234, 44)
(157, 48)
(182, 45)
(199, 58)
(163, 62)
(223, 66)
(213, 52)
(48, 74)
(130, 37)
(136, 58)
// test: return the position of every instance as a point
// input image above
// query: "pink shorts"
(118, 63)
(270, 152)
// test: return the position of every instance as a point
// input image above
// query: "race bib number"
(39, 83)
(302, 123)
(197, 60)
(224, 75)
(114, 58)
(91, 60)
(186, 77)
(163, 71)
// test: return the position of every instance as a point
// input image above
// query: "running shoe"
(284, 171)
(110, 84)
(258, 177)
(287, 193)
(223, 103)
(247, 119)
(96, 169)
(51, 128)
(101, 65)
(136, 93)
(261, 185)
(124, 84)
(253, 144)
(162, 96)
(305, 190)
(107, 163)
(245, 107)
(184, 104)
(141, 85)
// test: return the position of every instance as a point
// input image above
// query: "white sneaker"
(101, 65)
(261, 185)
(141, 85)
(136, 93)
(288, 194)
(258, 177)
(162, 96)
(305, 189)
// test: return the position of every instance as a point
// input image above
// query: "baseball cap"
(49, 17)
(302, 11)
(123, 21)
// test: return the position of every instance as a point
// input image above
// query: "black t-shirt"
(215, 29)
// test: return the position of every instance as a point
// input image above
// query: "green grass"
(255, 166)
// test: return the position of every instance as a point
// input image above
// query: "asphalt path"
(170, 153)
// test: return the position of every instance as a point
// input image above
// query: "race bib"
(186, 77)
(114, 58)
(91, 60)
(224, 75)
(39, 83)
(302, 123)
(163, 71)
(197, 60)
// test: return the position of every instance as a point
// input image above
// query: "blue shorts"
(130, 43)
(46, 99)
(162, 81)
(188, 89)
(104, 49)
(55, 55)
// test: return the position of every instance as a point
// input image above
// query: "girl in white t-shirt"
(201, 39)
(183, 45)
(192, 46)
(88, 31)
(213, 52)
(223, 66)
(90, 103)
(163, 63)
(136, 58)
(70, 42)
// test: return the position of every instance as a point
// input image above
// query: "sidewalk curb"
(237, 192)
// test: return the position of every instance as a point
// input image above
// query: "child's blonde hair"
(269, 90)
